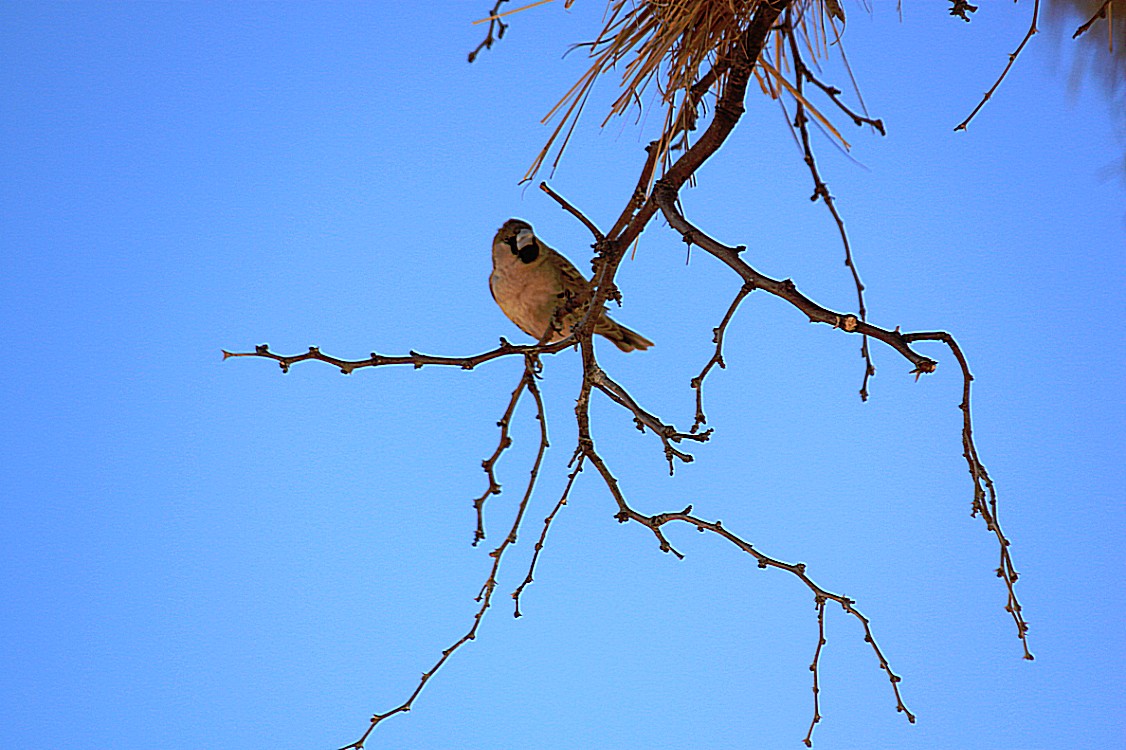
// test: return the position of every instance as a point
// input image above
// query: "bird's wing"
(575, 285)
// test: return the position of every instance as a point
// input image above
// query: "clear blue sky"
(199, 554)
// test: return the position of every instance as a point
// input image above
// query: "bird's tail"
(624, 338)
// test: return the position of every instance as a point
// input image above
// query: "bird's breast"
(526, 294)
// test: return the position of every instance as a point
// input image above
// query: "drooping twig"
(765, 561)
(655, 523)
(578, 459)
(985, 494)
(717, 356)
(1032, 30)
(815, 667)
(490, 463)
(485, 597)
(821, 190)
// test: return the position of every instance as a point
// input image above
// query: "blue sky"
(199, 554)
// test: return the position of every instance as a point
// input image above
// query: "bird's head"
(516, 237)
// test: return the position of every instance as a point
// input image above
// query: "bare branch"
(598, 236)
(656, 522)
(795, 569)
(667, 433)
(985, 494)
(834, 93)
(543, 534)
(821, 190)
(815, 667)
(785, 288)
(1100, 13)
(494, 24)
(1032, 30)
(717, 357)
(485, 597)
(415, 359)
(489, 463)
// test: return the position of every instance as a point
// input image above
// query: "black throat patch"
(528, 254)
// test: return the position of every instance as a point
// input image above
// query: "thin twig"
(717, 356)
(1100, 13)
(821, 190)
(543, 534)
(815, 667)
(567, 206)
(641, 192)
(490, 463)
(655, 523)
(765, 561)
(834, 93)
(1032, 30)
(642, 418)
(494, 23)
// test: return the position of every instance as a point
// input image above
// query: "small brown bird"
(530, 280)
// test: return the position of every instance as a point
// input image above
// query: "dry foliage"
(684, 49)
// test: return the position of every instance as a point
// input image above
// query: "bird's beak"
(524, 238)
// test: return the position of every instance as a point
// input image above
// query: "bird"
(531, 280)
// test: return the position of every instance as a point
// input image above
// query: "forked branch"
(485, 596)
(717, 356)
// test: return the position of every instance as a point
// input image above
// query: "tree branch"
(765, 561)
(489, 463)
(717, 357)
(667, 433)
(598, 236)
(785, 288)
(417, 360)
(494, 23)
(821, 190)
(1100, 13)
(485, 596)
(543, 534)
(1032, 30)
(815, 667)
(985, 494)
